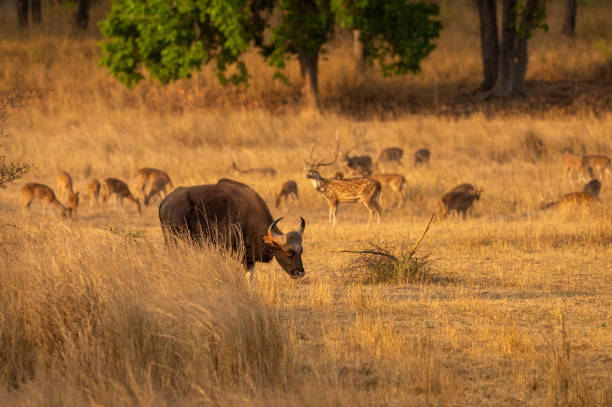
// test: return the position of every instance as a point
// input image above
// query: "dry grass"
(95, 310)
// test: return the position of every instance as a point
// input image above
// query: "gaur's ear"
(268, 240)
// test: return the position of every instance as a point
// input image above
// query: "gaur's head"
(287, 248)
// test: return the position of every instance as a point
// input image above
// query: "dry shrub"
(128, 322)
(390, 263)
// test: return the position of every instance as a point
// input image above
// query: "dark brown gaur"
(233, 215)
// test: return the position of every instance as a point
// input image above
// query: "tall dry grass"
(118, 319)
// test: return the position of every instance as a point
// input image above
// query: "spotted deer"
(364, 190)
(601, 163)
(147, 177)
(588, 197)
(120, 188)
(396, 182)
(64, 184)
(93, 191)
(288, 189)
(263, 172)
(576, 164)
(458, 201)
(32, 191)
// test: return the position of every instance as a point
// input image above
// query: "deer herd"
(362, 185)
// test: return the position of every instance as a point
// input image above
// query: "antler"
(335, 156)
(312, 161)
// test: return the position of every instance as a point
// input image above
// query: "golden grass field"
(515, 308)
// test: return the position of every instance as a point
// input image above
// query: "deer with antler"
(364, 190)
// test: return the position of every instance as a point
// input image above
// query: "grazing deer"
(73, 202)
(593, 187)
(576, 164)
(93, 191)
(601, 163)
(364, 190)
(422, 156)
(33, 191)
(146, 177)
(589, 196)
(289, 188)
(120, 188)
(156, 187)
(458, 201)
(465, 188)
(263, 172)
(391, 154)
(64, 184)
(396, 182)
(358, 164)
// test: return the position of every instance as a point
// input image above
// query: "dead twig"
(416, 246)
(366, 252)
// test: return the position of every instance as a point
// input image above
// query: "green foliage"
(171, 39)
(396, 34)
(529, 23)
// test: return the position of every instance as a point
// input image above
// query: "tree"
(82, 14)
(36, 11)
(23, 7)
(489, 41)
(170, 40)
(569, 18)
(505, 63)
(22, 12)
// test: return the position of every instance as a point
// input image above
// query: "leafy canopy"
(173, 38)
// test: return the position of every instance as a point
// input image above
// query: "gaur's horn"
(276, 237)
(302, 226)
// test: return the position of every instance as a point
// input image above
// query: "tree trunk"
(489, 42)
(505, 76)
(569, 19)
(82, 16)
(358, 52)
(36, 11)
(522, 56)
(513, 55)
(309, 67)
(22, 12)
